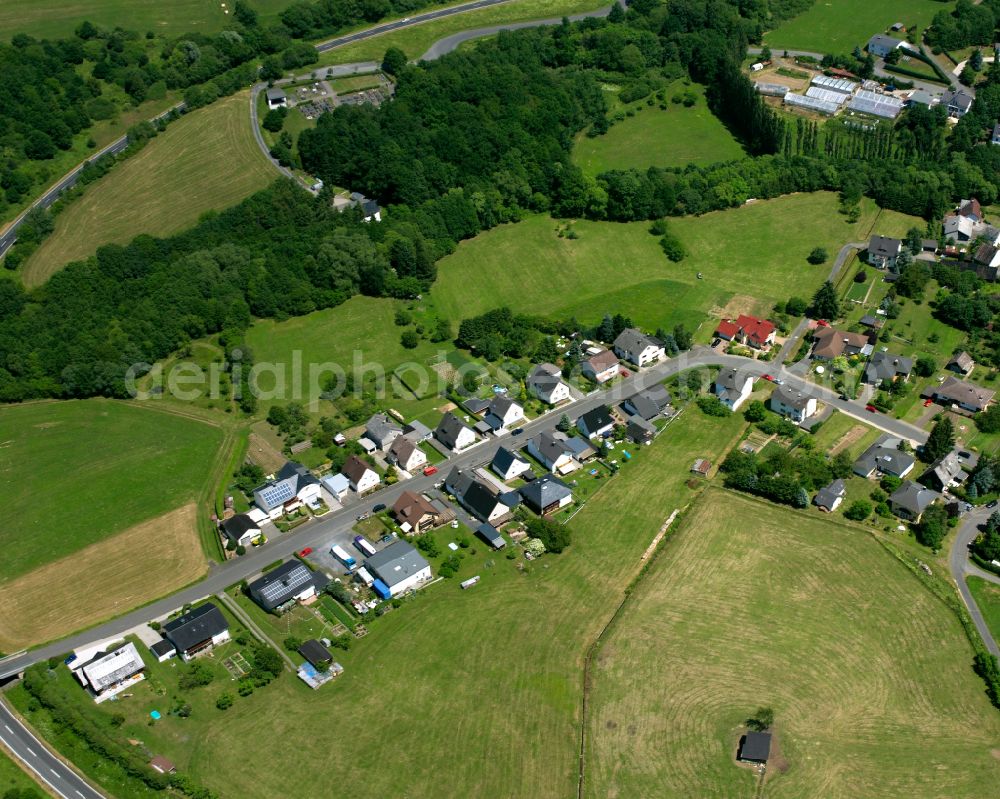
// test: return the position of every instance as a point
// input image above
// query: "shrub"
(224, 702)
(817, 256)
(711, 405)
(859, 510)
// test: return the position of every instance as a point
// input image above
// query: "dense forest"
(472, 140)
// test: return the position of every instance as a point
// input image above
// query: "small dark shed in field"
(755, 747)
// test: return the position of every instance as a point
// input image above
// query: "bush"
(712, 406)
(224, 702)
(858, 511)
(817, 256)
(195, 675)
(555, 536)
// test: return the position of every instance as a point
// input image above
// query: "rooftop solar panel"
(287, 586)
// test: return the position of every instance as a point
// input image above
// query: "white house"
(545, 382)
(407, 455)
(637, 348)
(509, 465)
(109, 673)
(596, 422)
(241, 529)
(454, 433)
(504, 413)
(601, 367)
(551, 450)
(793, 404)
(292, 486)
(276, 98)
(400, 567)
(733, 386)
(362, 477)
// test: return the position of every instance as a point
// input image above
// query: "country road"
(960, 567)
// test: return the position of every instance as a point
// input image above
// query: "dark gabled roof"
(490, 535)
(317, 654)
(298, 471)
(449, 429)
(479, 499)
(162, 647)
(504, 459)
(828, 495)
(913, 497)
(596, 418)
(281, 584)
(197, 625)
(476, 405)
(884, 246)
(755, 746)
(238, 526)
(547, 489)
(886, 366)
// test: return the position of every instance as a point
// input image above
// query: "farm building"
(771, 89)
(701, 467)
(288, 583)
(276, 98)
(197, 630)
(755, 747)
(827, 95)
(400, 567)
(839, 85)
(811, 103)
(108, 673)
(879, 105)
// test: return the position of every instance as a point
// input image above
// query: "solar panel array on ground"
(811, 103)
(771, 89)
(841, 85)
(826, 94)
(880, 105)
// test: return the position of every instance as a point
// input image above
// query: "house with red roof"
(749, 330)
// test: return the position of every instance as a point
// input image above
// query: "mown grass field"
(751, 605)
(207, 160)
(59, 18)
(654, 137)
(12, 777)
(415, 41)
(75, 473)
(748, 258)
(491, 677)
(987, 596)
(838, 26)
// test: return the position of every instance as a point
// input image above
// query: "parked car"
(386, 538)
(822, 323)
(379, 508)
(306, 551)
(871, 409)
(429, 470)
(992, 504)
(769, 377)
(361, 517)
(517, 431)
(928, 402)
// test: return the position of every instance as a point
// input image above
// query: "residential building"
(733, 386)
(196, 631)
(454, 433)
(958, 102)
(639, 430)
(648, 404)
(987, 261)
(362, 477)
(509, 465)
(382, 430)
(910, 500)
(884, 457)
(881, 45)
(417, 431)
(829, 497)
(959, 229)
(944, 473)
(491, 536)
(546, 494)
(292, 486)
(337, 484)
(369, 208)
(290, 582)
(830, 343)
(240, 529)
(793, 403)
(400, 567)
(883, 251)
(596, 422)
(276, 98)
(503, 413)
(637, 348)
(108, 673)
(961, 364)
(163, 650)
(748, 330)
(480, 499)
(580, 447)
(883, 366)
(406, 454)
(550, 449)
(601, 367)
(920, 97)
(545, 382)
(967, 396)
(415, 513)
(871, 321)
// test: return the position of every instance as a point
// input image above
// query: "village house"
(880, 45)
(648, 404)
(546, 495)
(910, 500)
(637, 348)
(197, 631)
(884, 457)
(830, 343)
(639, 430)
(293, 486)
(545, 382)
(399, 567)
(958, 102)
(455, 434)
(276, 98)
(240, 529)
(288, 583)
(480, 499)
(382, 430)
(509, 465)
(417, 431)
(792, 403)
(829, 497)
(958, 393)
(551, 449)
(503, 413)
(337, 485)
(596, 422)
(748, 330)
(415, 513)
(601, 367)
(946, 472)
(884, 366)
(107, 674)
(362, 477)
(883, 251)
(406, 454)
(961, 364)
(733, 386)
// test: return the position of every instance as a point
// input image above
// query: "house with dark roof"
(415, 512)
(910, 500)
(987, 261)
(946, 472)
(967, 396)
(381, 429)
(884, 457)
(961, 364)
(648, 404)
(546, 494)
(317, 654)
(362, 477)
(481, 500)
(601, 367)
(596, 422)
(637, 348)
(503, 413)
(958, 228)
(884, 366)
(509, 465)
(881, 45)
(830, 496)
(196, 631)
(792, 403)
(400, 567)
(552, 450)
(240, 529)
(163, 650)
(639, 430)
(276, 98)
(406, 454)
(455, 434)
(545, 382)
(830, 343)
(292, 486)
(883, 251)
(755, 747)
(995, 137)
(417, 431)
(733, 386)
(491, 536)
(290, 582)
(958, 102)
(871, 321)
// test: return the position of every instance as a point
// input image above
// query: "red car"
(871, 409)
(822, 323)
(625, 373)
(769, 377)
(928, 402)
(429, 470)
(306, 551)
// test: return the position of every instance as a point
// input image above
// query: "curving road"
(958, 563)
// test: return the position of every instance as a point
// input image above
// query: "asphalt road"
(958, 563)
(319, 532)
(67, 181)
(60, 778)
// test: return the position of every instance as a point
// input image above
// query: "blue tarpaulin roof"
(381, 589)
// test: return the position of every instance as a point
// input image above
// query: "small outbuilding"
(317, 654)
(276, 98)
(491, 535)
(755, 747)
